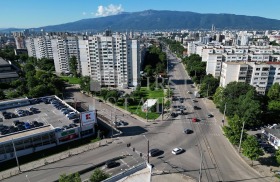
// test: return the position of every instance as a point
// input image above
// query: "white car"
(177, 151)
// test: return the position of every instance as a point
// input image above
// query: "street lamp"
(148, 148)
(241, 136)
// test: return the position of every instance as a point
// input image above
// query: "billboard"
(88, 117)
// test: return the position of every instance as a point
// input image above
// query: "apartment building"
(63, 49)
(258, 74)
(112, 60)
(39, 47)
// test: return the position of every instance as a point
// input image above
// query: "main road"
(206, 148)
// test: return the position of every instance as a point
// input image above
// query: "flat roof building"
(36, 124)
(8, 72)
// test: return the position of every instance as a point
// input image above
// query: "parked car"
(76, 120)
(177, 150)
(209, 115)
(194, 119)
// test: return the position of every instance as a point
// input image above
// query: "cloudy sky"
(36, 13)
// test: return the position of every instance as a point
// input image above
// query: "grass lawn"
(147, 94)
(71, 80)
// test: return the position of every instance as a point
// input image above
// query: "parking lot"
(34, 116)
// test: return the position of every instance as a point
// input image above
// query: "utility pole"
(241, 137)
(200, 167)
(15, 152)
(224, 113)
(148, 148)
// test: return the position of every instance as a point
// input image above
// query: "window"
(258, 69)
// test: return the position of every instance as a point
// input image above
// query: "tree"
(2, 95)
(251, 148)
(209, 85)
(85, 83)
(233, 131)
(38, 91)
(149, 71)
(73, 65)
(98, 175)
(218, 96)
(249, 108)
(274, 92)
(70, 178)
(277, 156)
(29, 68)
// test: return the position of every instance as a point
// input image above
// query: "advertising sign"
(68, 135)
(88, 118)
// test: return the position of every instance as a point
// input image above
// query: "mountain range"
(167, 20)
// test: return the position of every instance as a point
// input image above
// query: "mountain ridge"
(166, 20)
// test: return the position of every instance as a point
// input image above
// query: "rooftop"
(3, 62)
(47, 117)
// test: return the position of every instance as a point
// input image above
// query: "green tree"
(98, 176)
(2, 95)
(233, 131)
(149, 71)
(209, 85)
(274, 92)
(277, 156)
(12, 94)
(249, 108)
(70, 178)
(218, 96)
(29, 68)
(73, 65)
(85, 83)
(251, 148)
(38, 91)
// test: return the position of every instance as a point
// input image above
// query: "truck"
(196, 94)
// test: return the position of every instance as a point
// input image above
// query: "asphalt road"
(219, 160)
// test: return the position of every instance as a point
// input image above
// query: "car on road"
(209, 115)
(177, 150)
(111, 164)
(182, 100)
(154, 152)
(194, 119)
(189, 92)
(173, 115)
(122, 123)
(196, 107)
(188, 131)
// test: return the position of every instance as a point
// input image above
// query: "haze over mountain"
(167, 20)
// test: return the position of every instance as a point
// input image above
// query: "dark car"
(111, 164)
(16, 122)
(188, 131)
(173, 115)
(77, 120)
(195, 107)
(154, 152)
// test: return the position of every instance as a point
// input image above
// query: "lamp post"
(224, 113)
(148, 148)
(241, 136)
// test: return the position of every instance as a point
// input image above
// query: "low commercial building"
(42, 126)
(273, 135)
(8, 72)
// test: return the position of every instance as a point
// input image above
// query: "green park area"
(134, 106)
(71, 80)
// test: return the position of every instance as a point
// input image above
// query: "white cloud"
(84, 13)
(109, 10)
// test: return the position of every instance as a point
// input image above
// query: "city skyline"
(30, 14)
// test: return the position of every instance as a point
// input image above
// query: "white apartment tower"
(39, 47)
(113, 60)
(63, 48)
